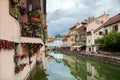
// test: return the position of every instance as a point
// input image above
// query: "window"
(100, 33)
(115, 28)
(97, 21)
(89, 49)
(88, 41)
(102, 22)
(72, 39)
(106, 31)
(88, 33)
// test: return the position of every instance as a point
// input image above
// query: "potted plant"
(17, 69)
(22, 10)
(14, 2)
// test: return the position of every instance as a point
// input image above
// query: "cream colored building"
(93, 25)
(113, 24)
(51, 38)
(13, 41)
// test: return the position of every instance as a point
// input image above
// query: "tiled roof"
(74, 26)
(112, 20)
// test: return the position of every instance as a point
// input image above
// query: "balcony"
(32, 31)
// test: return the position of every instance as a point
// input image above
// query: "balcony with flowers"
(32, 31)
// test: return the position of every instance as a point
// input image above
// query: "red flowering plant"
(24, 56)
(25, 64)
(17, 69)
(16, 57)
(30, 62)
(36, 18)
(20, 67)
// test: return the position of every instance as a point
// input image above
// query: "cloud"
(60, 26)
(63, 14)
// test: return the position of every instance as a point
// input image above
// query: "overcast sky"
(63, 14)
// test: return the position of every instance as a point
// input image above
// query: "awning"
(77, 46)
(31, 40)
(16, 39)
(95, 44)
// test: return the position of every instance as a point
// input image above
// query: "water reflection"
(68, 67)
(56, 55)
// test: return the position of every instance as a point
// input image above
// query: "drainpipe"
(92, 42)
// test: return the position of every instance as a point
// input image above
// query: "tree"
(110, 42)
(58, 36)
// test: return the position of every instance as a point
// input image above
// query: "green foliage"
(110, 42)
(37, 14)
(46, 34)
(17, 13)
(58, 36)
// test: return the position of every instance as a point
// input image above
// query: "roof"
(112, 20)
(95, 18)
(74, 26)
(51, 37)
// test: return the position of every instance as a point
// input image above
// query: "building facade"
(81, 36)
(51, 39)
(23, 32)
(113, 24)
(73, 34)
(94, 24)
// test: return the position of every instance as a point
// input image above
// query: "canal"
(73, 67)
(69, 67)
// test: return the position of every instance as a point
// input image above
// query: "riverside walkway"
(99, 57)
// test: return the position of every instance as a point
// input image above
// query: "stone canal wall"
(98, 57)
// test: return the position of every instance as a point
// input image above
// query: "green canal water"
(73, 67)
